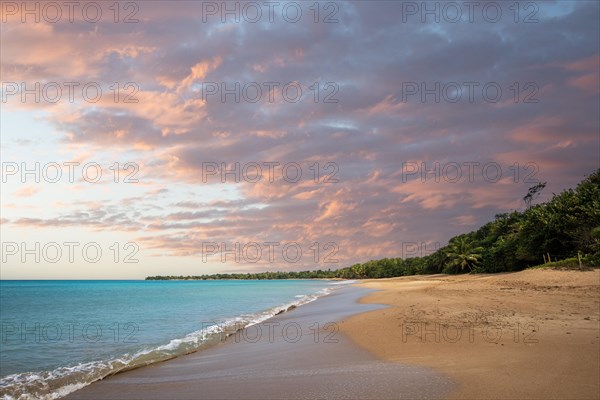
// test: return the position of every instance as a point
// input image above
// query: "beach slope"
(530, 334)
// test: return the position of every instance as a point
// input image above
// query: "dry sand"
(532, 334)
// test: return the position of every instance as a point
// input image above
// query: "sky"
(188, 137)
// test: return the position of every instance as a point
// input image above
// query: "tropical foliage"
(461, 254)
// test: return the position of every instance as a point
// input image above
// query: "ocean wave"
(346, 282)
(50, 385)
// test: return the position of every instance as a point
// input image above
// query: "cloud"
(26, 191)
(353, 123)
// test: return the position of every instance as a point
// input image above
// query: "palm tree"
(462, 254)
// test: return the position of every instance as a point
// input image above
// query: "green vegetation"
(568, 263)
(461, 255)
(551, 233)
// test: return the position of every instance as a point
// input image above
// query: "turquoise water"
(58, 336)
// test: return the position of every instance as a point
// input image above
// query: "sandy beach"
(533, 334)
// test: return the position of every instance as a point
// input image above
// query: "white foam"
(347, 282)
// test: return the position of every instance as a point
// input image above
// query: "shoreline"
(528, 334)
(63, 380)
(299, 355)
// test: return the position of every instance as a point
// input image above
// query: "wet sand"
(533, 334)
(291, 359)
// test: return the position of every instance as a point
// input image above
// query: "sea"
(59, 336)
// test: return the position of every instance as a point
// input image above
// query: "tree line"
(566, 228)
